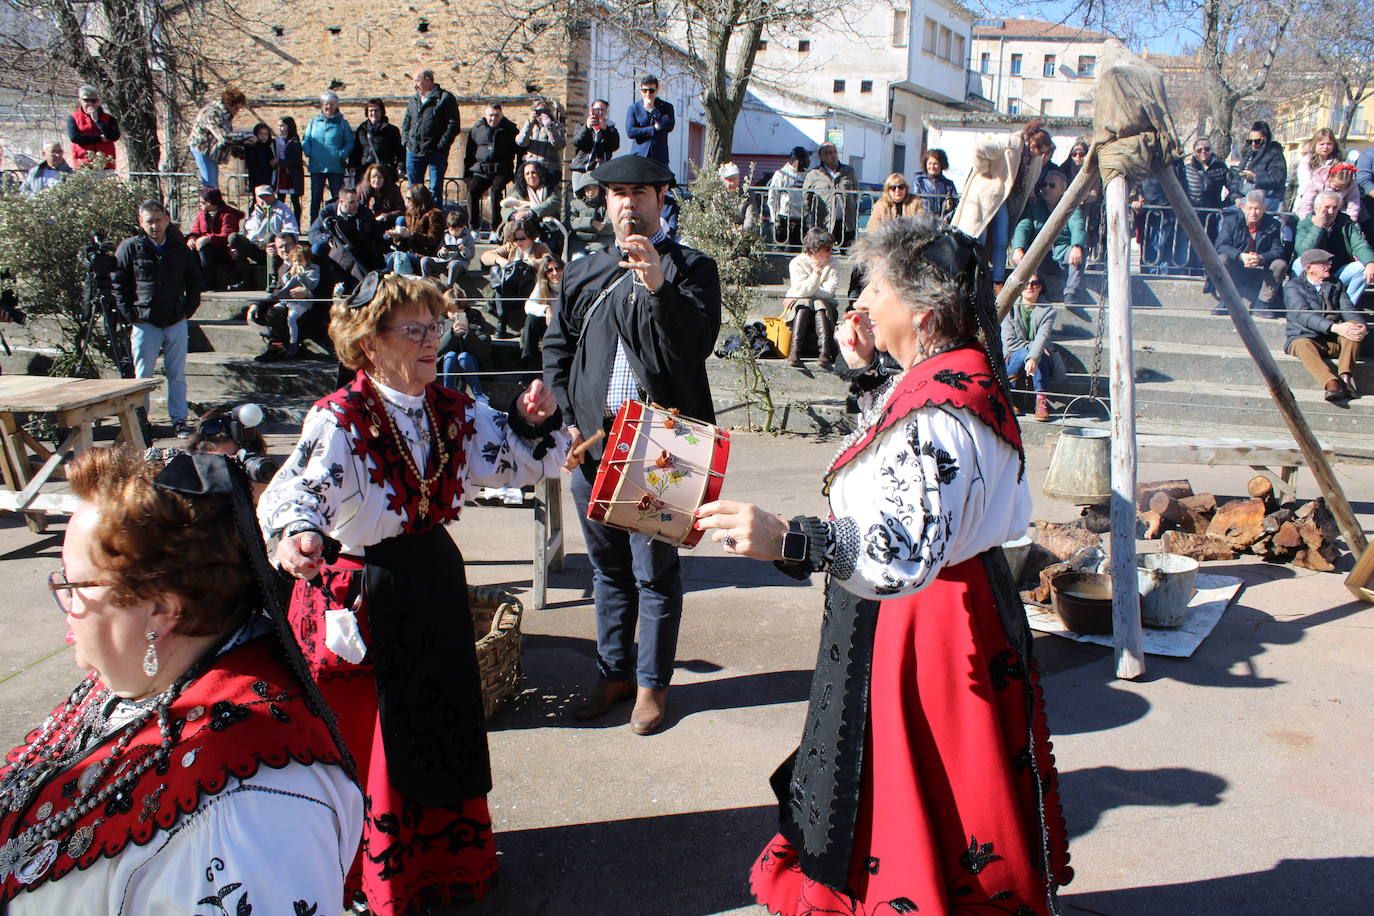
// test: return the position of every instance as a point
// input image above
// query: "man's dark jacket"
(491, 151)
(1233, 238)
(594, 147)
(431, 123)
(1312, 310)
(668, 335)
(1208, 184)
(355, 242)
(378, 143)
(157, 287)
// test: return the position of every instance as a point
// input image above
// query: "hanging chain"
(1095, 372)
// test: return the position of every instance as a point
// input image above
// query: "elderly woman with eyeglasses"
(924, 780)
(192, 762)
(357, 515)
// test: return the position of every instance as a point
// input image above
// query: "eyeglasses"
(1255, 141)
(416, 333)
(649, 89)
(1035, 283)
(1079, 153)
(61, 589)
(1202, 149)
(520, 238)
(896, 187)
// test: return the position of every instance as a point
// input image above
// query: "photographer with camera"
(92, 129)
(543, 138)
(157, 284)
(349, 236)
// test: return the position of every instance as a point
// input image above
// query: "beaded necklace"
(28, 855)
(426, 483)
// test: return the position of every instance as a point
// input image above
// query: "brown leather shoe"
(651, 708)
(601, 698)
(1336, 392)
(1349, 381)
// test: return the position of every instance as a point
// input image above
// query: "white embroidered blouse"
(324, 482)
(935, 489)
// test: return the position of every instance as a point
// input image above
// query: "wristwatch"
(796, 545)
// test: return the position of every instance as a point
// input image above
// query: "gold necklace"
(426, 483)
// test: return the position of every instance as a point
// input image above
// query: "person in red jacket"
(209, 235)
(91, 129)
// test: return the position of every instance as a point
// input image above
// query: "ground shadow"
(699, 574)
(47, 544)
(561, 669)
(675, 865)
(1088, 793)
(1332, 887)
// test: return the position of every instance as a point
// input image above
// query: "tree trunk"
(723, 94)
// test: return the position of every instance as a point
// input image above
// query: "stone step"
(1170, 325)
(1205, 365)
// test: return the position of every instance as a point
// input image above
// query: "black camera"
(260, 468)
(9, 302)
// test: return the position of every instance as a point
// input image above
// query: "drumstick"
(588, 443)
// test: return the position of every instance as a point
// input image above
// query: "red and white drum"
(658, 468)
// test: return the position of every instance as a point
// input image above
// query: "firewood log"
(1261, 487)
(1205, 503)
(1063, 540)
(1177, 515)
(1239, 522)
(1198, 546)
(1175, 488)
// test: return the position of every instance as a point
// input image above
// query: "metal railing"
(1165, 249)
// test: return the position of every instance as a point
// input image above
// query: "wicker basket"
(496, 626)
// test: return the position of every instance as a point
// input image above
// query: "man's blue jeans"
(147, 341)
(995, 238)
(436, 162)
(634, 579)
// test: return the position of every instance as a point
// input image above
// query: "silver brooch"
(189, 757)
(195, 713)
(88, 776)
(44, 811)
(37, 864)
(80, 841)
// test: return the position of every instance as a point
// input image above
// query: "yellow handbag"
(779, 331)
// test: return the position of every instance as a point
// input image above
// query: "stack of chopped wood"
(1196, 526)
(1058, 548)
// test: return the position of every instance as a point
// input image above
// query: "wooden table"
(78, 403)
(1276, 459)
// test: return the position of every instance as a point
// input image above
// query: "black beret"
(632, 170)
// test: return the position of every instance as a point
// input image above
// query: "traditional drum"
(657, 469)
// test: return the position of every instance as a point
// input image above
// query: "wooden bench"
(1276, 459)
(78, 403)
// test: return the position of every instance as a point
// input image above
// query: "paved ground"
(1238, 781)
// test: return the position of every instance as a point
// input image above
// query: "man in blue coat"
(1252, 250)
(649, 122)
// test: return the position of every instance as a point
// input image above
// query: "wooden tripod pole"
(1278, 388)
(1128, 639)
(1044, 241)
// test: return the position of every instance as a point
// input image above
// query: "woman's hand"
(743, 528)
(536, 404)
(301, 554)
(855, 337)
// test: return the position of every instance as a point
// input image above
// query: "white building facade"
(1030, 68)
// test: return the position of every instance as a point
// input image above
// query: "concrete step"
(1206, 365)
(1171, 325)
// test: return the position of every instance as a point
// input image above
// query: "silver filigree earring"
(150, 663)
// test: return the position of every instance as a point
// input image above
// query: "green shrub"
(41, 240)
(708, 224)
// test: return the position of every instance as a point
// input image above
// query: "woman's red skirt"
(411, 855)
(948, 812)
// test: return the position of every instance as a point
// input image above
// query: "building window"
(1015, 67)
(946, 40)
(984, 62)
(1083, 108)
(899, 123)
(865, 85)
(899, 28)
(958, 58)
(1013, 106)
(899, 158)
(928, 44)
(1045, 107)
(1048, 72)
(804, 45)
(761, 45)
(839, 85)
(1087, 66)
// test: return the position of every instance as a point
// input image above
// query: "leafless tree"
(148, 59)
(1337, 38)
(719, 38)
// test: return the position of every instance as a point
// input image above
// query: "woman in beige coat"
(811, 298)
(897, 201)
(1005, 173)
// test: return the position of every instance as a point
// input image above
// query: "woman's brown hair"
(348, 327)
(150, 542)
(233, 97)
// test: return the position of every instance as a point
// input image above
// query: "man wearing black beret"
(636, 321)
